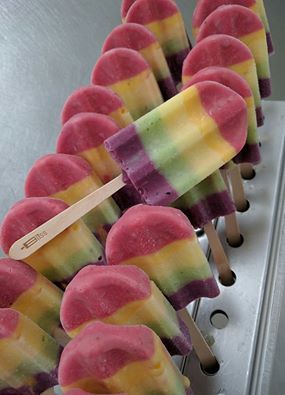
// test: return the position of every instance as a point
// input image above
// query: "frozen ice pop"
(250, 153)
(161, 152)
(29, 356)
(205, 7)
(61, 258)
(125, 6)
(242, 23)
(112, 358)
(139, 38)
(224, 51)
(30, 293)
(84, 135)
(122, 295)
(162, 242)
(97, 99)
(70, 178)
(127, 73)
(163, 18)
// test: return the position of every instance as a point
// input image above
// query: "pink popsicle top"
(85, 131)
(8, 322)
(93, 98)
(117, 65)
(147, 11)
(98, 291)
(100, 350)
(54, 173)
(125, 6)
(20, 277)
(25, 216)
(147, 229)
(234, 20)
(129, 35)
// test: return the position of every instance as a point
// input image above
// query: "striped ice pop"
(161, 152)
(29, 356)
(127, 73)
(30, 293)
(205, 7)
(96, 99)
(61, 258)
(242, 23)
(164, 20)
(162, 242)
(250, 153)
(139, 38)
(70, 178)
(112, 358)
(225, 51)
(84, 135)
(122, 295)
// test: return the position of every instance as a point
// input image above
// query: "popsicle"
(162, 242)
(61, 258)
(125, 6)
(139, 38)
(112, 358)
(122, 295)
(30, 293)
(70, 178)
(205, 7)
(224, 51)
(84, 135)
(161, 153)
(242, 23)
(97, 99)
(29, 356)
(127, 73)
(164, 20)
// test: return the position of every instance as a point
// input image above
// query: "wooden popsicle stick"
(34, 240)
(61, 337)
(247, 171)
(233, 234)
(201, 347)
(238, 192)
(219, 256)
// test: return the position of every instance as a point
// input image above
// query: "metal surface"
(251, 348)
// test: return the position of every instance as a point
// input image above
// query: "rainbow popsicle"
(122, 295)
(30, 293)
(160, 154)
(29, 356)
(61, 258)
(242, 23)
(162, 242)
(164, 20)
(224, 51)
(205, 7)
(139, 38)
(127, 73)
(97, 99)
(84, 135)
(250, 153)
(70, 178)
(111, 358)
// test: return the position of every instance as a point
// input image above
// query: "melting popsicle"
(29, 356)
(122, 295)
(97, 99)
(70, 178)
(30, 293)
(244, 24)
(84, 135)
(61, 258)
(112, 358)
(224, 51)
(127, 73)
(163, 18)
(205, 7)
(162, 242)
(139, 38)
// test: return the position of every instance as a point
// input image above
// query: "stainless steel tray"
(251, 348)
